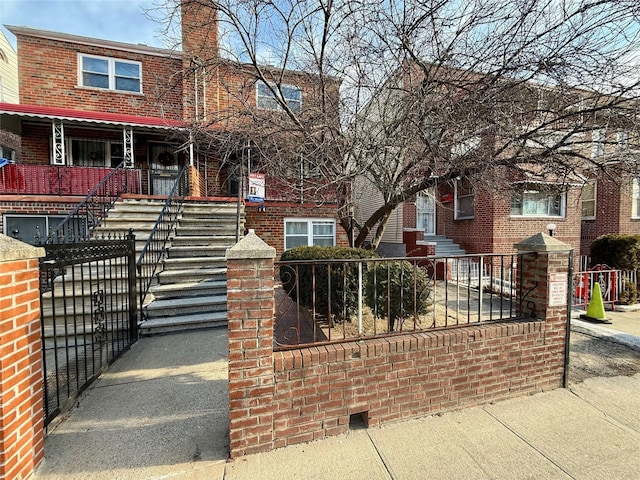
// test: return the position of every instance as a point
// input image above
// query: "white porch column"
(57, 128)
(191, 159)
(127, 138)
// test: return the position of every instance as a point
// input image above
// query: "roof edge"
(94, 42)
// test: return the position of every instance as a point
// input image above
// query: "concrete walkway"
(160, 412)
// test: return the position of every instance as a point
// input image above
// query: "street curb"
(631, 341)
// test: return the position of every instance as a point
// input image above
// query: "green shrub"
(629, 294)
(391, 287)
(343, 280)
(621, 252)
(617, 251)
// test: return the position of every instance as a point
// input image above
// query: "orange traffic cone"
(595, 309)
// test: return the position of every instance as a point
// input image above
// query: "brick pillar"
(250, 312)
(547, 273)
(21, 376)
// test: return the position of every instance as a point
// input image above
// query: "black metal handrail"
(156, 245)
(79, 224)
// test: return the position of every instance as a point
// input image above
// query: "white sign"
(256, 187)
(558, 287)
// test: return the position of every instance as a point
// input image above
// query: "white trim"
(310, 222)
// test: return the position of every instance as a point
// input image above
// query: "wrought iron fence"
(87, 215)
(88, 313)
(155, 247)
(329, 301)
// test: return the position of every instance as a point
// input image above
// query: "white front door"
(426, 212)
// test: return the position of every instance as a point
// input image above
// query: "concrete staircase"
(444, 246)
(190, 290)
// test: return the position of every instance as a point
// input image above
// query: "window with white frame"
(109, 73)
(464, 199)
(299, 232)
(267, 97)
(635, 198)
(537, 200)
(588, 200)
(597, 142)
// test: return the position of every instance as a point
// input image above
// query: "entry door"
(426, 212)
(163, 168)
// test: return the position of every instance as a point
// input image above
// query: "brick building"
(87, 105)
(486, 208)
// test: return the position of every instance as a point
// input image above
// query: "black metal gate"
(89, 311)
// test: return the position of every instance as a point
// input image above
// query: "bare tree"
(408, 95)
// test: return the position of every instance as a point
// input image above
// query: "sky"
(118, 20)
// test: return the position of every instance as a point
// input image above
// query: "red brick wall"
(48, 69)
(317, 389)
(288, 397)
(494, 230)
(21, 377)
(269, 225)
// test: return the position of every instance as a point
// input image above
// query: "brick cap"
(12, 249)
(541, 242)
(251, 246)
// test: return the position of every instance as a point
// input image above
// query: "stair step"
(194, 263)
(192, 275)
(176, 290)
(183, 322)
(186, 305)
(204, 240)
(198, 251)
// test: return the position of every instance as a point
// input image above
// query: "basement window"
(34, 229)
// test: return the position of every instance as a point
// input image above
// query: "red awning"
(38, 111)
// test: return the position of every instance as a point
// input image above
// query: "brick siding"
(21, 377)
(288, 397)
(269, 224)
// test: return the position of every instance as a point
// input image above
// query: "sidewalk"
(161, 412)
(624, 327)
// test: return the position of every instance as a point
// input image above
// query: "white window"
(635, 199)
(109, 73)
(537, 200)
(588, 200)
(299, 232)
(597, 142)
(464, 199)
(267, 97)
